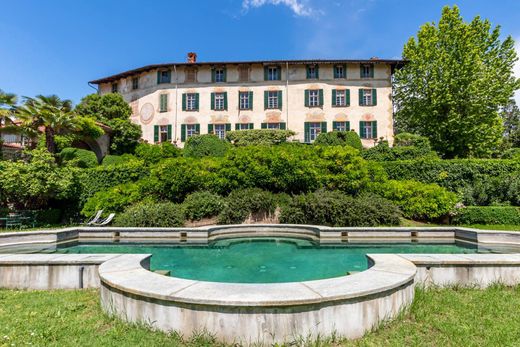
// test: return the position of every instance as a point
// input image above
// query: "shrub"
(339, 138)
(152, 154)
(488, 215)
(337, 209)
(48, 217)
(165, 214)
(78, 157)
(418, 200)
(115, 199)
(258, 136)
(406, 146)
(201, 205)
(489, 190)
(408, 139)
(512, 153)
(113, 160)
(247, 202)
(205, 145)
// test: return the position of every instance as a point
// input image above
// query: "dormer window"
(312, 72)
(219, 75)
(367, 71)
(272, 73)
(340, 71)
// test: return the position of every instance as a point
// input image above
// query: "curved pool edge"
(268, 313)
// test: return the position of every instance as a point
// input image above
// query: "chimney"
(192, 58)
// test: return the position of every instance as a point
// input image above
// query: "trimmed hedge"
(339, 138)
(337, 209)
(488, 215)
(258, 137)
(200, 205)
(165, 214)
(205, 146)
(245, 202)
(78, 157)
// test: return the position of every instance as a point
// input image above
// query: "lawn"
(438, 317)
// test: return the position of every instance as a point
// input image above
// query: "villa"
(173, 102)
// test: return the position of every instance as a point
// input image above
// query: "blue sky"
(57, 46)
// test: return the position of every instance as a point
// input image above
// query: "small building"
(173, 102)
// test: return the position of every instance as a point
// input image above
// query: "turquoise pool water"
(263, 260)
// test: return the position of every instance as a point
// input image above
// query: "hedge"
(201, 205)
(258, 136)
(245, 202)
(165, 214)
(488, 215)
(205, 145)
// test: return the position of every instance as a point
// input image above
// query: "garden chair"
(94, 219)
(106, 221)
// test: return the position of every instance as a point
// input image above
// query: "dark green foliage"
(258, 137)
(204, 146)
(337, 209)
(406, 146)
(201, 205)
(114, 199)
(488, 215)
(114, 160)
(512, 153)
(493, 190)
(48, 217)
(78, 157)
(124, 137)
(339, 138)
(247, 202)
(149, 214)
(152, 154)
(418, 200)
(104, 107)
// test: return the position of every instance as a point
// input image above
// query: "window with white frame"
(219, 101)
(311, 72)
(273, 125)
(243, 126)
(367, 70)
(244, 101)
(339, 71)
(219, 75)
(163, 133)
(314, 98)
(191, 130)
(366, 132)
(220, 131)
(273, 73)
(367, 97)
(341, 99)
(314, 130)
(191, 101)
(340, 126)
(272, 99)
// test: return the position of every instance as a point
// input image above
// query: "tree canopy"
(457, 78)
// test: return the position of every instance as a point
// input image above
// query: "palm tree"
(7, 104)
(47, 114)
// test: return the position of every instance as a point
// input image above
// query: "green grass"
(438, 317)
(506, 227)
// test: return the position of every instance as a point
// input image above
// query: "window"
(367, 97)
(219, 101)
(340, 71)
(219, 75)
(163, 76)
(340, 126)
(341, 98)
(314, 99)
(244, 126)
(272, 99)
(114, 87)
(368, 130)
(163, 133)
(312, 72)
(314, 129)
(191, 130)
(273, 73)
(163, 103)
(135, 83)
(245, 100)
(367, 70)
(220, 131)
(191, 102)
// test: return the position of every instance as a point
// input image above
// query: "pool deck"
(347, 306)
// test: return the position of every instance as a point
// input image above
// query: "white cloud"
(516, 69)
(297, 6)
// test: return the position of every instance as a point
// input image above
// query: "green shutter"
(306, 131)
(266, 96)
(158, 77)
(308, 72)
(163, 102)
(374, 129)
(169, 134)
(372, 68)
(347, 97)
(184, 102)
(228, 126)
(334, 98)
(197, 129)
(324, 127)
(280, 99)
(225, 100)
(210, 128)
(361, 97)
(213, 75)
(374, 97)
(306, 98)
(197, 101)
(250, 100)
(183, 132)
(347, 126)
(334, 125)
(283, 126)
(251, 126)
(317, 71)
(266, 73)
(263, 126)
(320, 96)
(360, 70)
(237, 126)
(362, 129)
(155, 133)
(212, 101)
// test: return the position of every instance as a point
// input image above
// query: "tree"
(112, 110)
(511, 117)
(457, 77)
(7, 104)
